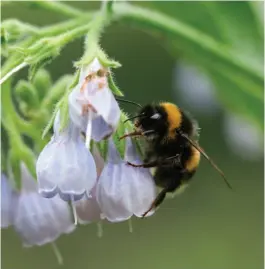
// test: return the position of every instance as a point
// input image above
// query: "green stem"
(157, 21)
(65, 26)
(60, 28)
(55, 7)
(8, 119)
(74, 34)
(152, 20)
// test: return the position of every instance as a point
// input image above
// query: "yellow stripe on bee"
(174, 118)
(194, 160)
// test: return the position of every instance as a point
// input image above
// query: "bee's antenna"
(193, 143)
(128, 101)
(134, 117)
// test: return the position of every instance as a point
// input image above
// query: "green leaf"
(236, 100)
(63, 106)
(26, 91)
(55, 92)
(237, 93)
(103, 148)
(14, 172)
(222, 38)
(106, 61)
(128, 126)
(120, 144)
(50, 123)
(34, 68)
(114, 88)
(236, 22)
(17, 29)
(42, 82)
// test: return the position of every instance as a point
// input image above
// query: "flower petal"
(105, 105)
(143, 191)
(113, 155)
(99, 161)
(142, 184)
(131, 154)
(88, 210)
(39, 220)
(112, 190)
(94, 66)
(8, 202)
(67, 167)
(78, 173)
(93, 94)
(77, 116)
(100, 129)
(47, 173)
(112, 193)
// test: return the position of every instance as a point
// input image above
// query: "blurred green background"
(208, 226)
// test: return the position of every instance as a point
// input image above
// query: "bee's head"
(165, 120)
(152, 121)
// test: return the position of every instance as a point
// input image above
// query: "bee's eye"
(156, 116)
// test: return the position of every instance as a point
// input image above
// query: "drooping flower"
(40, 220)
(87, 209)
(122, 190)
(66, 166)
(92, 106)
(8, 202)
(143, 188)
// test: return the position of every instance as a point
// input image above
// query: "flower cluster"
(36, 219)
(98, 183)
(83, 164)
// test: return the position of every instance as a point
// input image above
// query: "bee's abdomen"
(174, 176)
(193, 160)
(168, 177)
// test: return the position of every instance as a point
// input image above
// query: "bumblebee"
(172, 148)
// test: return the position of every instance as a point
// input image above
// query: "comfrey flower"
(66, 166)
(39, 220)
(8, 202)
(123, 191)
(92, 106)
(87, 209)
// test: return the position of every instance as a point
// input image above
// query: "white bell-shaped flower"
(122, 190)
(8, 202)
(112, 189)
(87, 209)
(40, 220)
(142, 186)
(92, 103)
(66, 166)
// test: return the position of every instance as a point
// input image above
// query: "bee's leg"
(161, 196)
(176, 159)
(145, 165)
(159, 199)
(165, 162)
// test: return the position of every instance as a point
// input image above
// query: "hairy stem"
(17, 58)
(152, 20)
